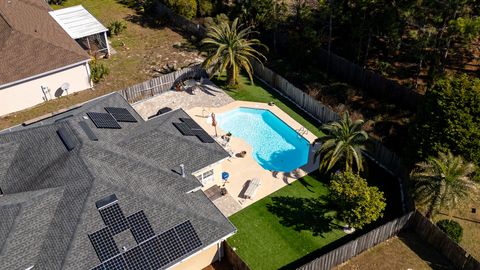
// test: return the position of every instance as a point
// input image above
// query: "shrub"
(186, 8)
(204, 7)
(452, 228)
(358, 204)
(449, 119)
(117, 27)
(98, 71)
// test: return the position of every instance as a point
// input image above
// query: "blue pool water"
(276, 146)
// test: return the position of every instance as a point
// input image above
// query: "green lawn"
(284, 226)
(258, 93)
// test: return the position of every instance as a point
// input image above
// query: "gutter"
(44, 74)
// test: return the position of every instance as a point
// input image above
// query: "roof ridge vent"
(67, 140)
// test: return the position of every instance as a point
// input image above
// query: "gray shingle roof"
(48, 208)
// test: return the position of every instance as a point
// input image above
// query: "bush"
(186, 8)
(358, 204)
(117, 27)
(449, 119)
(98, 71)
(452, 228)
(204, 7)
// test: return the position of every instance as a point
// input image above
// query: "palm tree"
(441, 183)
(343, 141)
(230, 50)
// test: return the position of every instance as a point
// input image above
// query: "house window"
(206, 177)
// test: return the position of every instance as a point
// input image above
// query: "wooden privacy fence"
(377, 152)
(415, 221)
(357, 246)
(367, 80)
(160, 84)
(438, 239)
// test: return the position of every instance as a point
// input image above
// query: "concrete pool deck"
(242, 170)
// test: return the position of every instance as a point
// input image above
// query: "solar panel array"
(113, 217)
(188, 127)
(136, 260)
(121, 114)
(140, 227)
(190, 123)
(184, 129)
(103, 120)
(188, 236)
(104, 244)
(152, 251)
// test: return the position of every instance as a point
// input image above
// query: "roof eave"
(2, 86)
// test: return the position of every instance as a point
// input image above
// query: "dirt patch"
(406, 251)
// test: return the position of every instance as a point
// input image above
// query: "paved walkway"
(206, 95)
(227, 205)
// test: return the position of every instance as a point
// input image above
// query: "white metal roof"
(77, 21)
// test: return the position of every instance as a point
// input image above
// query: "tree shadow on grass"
(303, 214)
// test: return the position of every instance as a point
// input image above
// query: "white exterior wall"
(29, 93)
(200, 260)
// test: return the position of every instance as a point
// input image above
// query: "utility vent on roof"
(88, 131)
(66, 138)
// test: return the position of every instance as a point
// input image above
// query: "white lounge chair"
(252, 188)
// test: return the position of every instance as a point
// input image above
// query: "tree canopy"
(442, 183)
(358, 204)
(344, 142)
(449, 119)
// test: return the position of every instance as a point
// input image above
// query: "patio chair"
(252, 188)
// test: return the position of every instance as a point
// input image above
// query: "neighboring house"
(38, 60)
(76, 196)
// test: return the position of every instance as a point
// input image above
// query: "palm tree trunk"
(231, 77)
(431, 206)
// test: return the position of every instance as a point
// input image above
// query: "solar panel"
(104, 244)
(113, 217)
(98, 267)
(140, 227)
(171, 244)
(88, 131)
(191, 123)
(154, 253)
(103, 120)
(203, 136)
(184, 129)
(135, 259)
(117, 263)
(121, 114)
(188, 236)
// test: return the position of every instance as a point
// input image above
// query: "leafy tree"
(452, 228)
(441, 183)
(230, 49)
(186, 8)
(358, 204)
(449, 119)
(343, 141)
(205, 7)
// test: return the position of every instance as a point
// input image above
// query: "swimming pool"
(276, 146)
